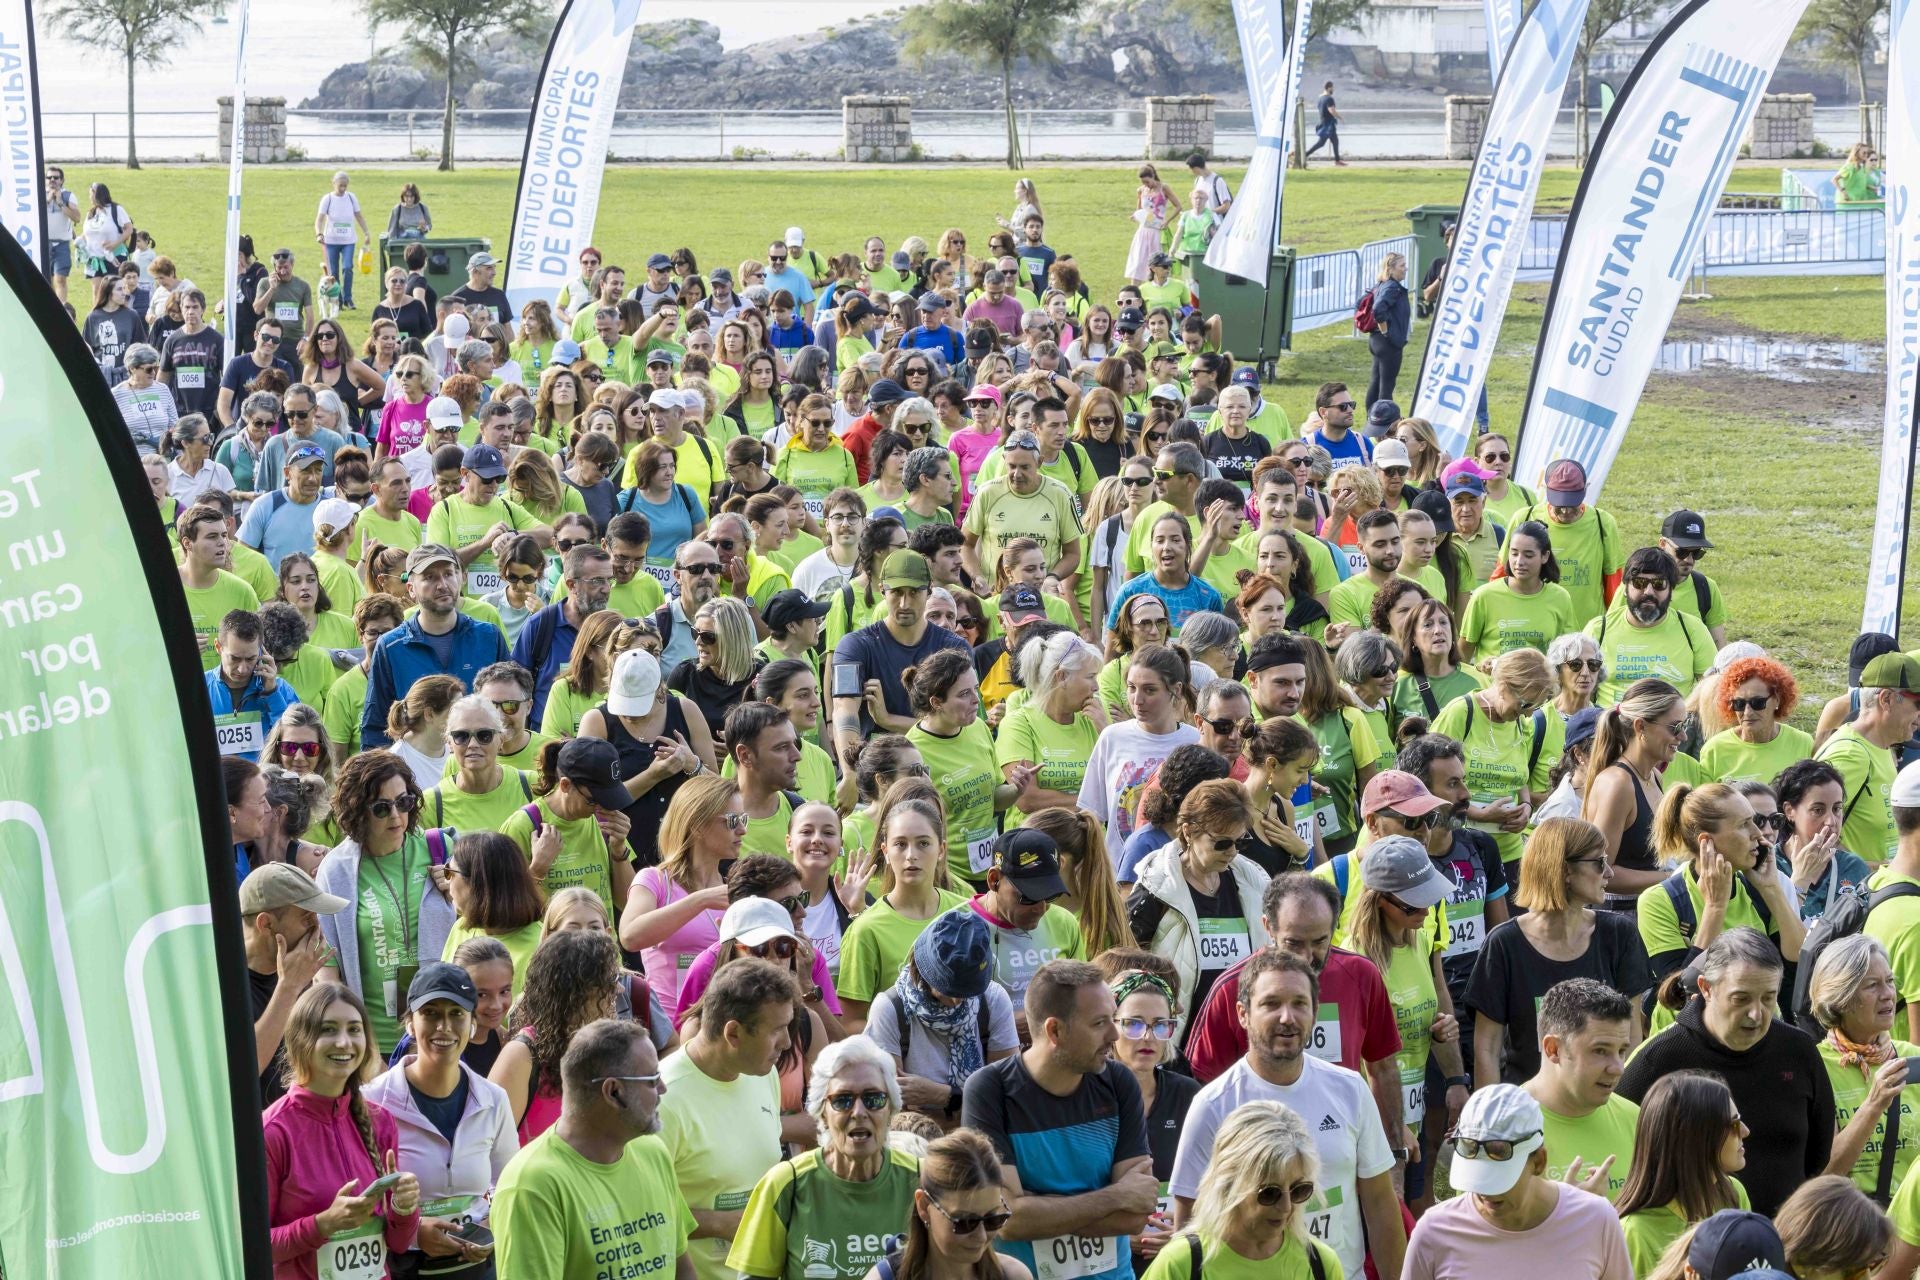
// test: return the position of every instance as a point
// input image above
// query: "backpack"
(1675, 887)
(1539, 732)
(440, 809)
(1363, 319)
(1844, 917)
(1196, 1266)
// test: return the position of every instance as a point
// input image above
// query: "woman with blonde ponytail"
(325, 1143)
(1727, 878)
(1632, 746)
(1092, 896)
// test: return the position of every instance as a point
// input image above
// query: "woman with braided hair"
(326, 1144)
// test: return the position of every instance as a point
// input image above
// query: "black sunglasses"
(871, 1099)
(699, 568)
(399, 804)
(1756, 704)
(1298, 1193)
(1776, 821)
(967, 1223)
(1223, 727)
(461, 737)
(1136, 482)
(1594, 665)
(1425, 822)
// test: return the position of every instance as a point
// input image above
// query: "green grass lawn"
(1785, 473)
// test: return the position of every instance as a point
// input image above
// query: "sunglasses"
(454, 868)
(267, 340)
(1594, 665)
(1489, 1148)
(1750, 704)
(522, 579)
(794, 903)
(1221, 844)
(706, 637)
(1774, 821)
(1102, 422)
(593, 375)
(722, 544)
(774, 949)
(1164, 475)
(1396, 473)
(311, 750)
(968, 1223)
(399, 804)
(1496, 457)
(511, 707)
(1402, 907)
(1347, 405)
(735, 821)
(1425, 822)
(699, 568)
(1136, 482)
(1141, 1028)
(461, 737)
(1270, 1195)
(1244, 728)
(1650, 584)
(871, 1099)
(820, 422)
(1588, 862)
(297, 415)
(564, 545)
(775, 261)
(1156, 439)
(1299, 462)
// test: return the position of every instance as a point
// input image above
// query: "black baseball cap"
(1685, 529)
(791, 605)
(1031, 860)
(593, 765)
(1021, 603)
(438, 980)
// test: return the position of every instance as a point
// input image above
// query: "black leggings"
(1386, 368)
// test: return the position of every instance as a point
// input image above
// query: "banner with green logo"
(130, 1141)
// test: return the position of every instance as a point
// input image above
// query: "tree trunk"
(1866, 116)
(446, 123)
(1013, 128)
(133, 153)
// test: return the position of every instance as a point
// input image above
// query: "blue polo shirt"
(406, 653)
(544, 647)
(793, 282)
(277, 526)
(252, 699)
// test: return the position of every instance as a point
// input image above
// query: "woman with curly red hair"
(1756, 695)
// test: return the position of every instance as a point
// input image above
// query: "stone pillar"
(264, 131)
(1177, 127)
(877, 130)
(1466, 124)
(1782, 127)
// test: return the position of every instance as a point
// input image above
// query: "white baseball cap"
(752, 921)
(444, 411)
(636, 680)
(334, 514)
(1497, 1113)
(1167, 391)
(1391, 453)
(796, 237)
(1906, 788)
(457, 328)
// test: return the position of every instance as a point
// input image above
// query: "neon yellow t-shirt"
(1866, 776)
(1605, 1131)
(207, 607)
(963, 771)
(1726, 757)
(1499, 619)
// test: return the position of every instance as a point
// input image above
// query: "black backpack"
(1675, 887)
(1196, 1267)
(1844, 917)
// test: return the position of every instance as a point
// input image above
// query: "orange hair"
(1769, 673)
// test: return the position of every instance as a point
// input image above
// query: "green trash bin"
(446, 258)
(1429, 236)
(1256, 324)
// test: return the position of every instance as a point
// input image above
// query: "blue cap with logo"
(484, 461)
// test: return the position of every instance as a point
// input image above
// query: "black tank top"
(636, 754)
(1636, 842)
(342, 385)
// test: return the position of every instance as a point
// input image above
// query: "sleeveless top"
(543, 1105)
(1636, 842)
(650, 810)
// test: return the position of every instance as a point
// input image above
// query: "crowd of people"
(894, 764)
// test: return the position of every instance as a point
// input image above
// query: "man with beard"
(697, 572)
(438, 640)
(1586, 1032)
(206, 575)
(599, 1178)
(545, 645)
(1354, 1208)
(280, 909)
(1647, 636)
(1067, 1122)
(868, 689)
(1349, 603)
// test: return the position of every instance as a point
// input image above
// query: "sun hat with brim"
(755, 921)
(273, 885)
(1497, 1113)
(1399, 866)
(955, 954)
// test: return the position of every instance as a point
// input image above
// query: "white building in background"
(1434, 38)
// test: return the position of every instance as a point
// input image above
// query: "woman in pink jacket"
(327, 1147)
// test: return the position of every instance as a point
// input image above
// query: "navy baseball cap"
(484, 461)
(659, 262)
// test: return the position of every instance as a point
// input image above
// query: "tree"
(1007, 29)
(1216, 18)
(448, 31)
(1845, 33)
(144, 31)
(1603, 16)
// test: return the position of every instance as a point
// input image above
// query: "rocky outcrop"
(1117, 51)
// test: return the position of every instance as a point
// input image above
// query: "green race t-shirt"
(518, 942)
(387, 896)
(1589, 551)
(1650, 1231)
(1319, 557)
(583, 856)
(1726, 757)
(1676, 649)
(816, 474)
(207, 607)
(346, 700)
(1849, 1091)
(1352, 600)
(999, 515)
(1443, 689)
(962, 769)
(558, 1214)
(404, 533)
(723, 1135)
(1605, 1131)
(878, 942)
(1416, 1002)
(1219, 1262)
(1866, 780)
(1344, 741)
(814, 780)
(454, 522)
(1498, 618)
(1032, 736)
(1660, 927)
(1896, 923)
(768, 835)
(1018, 954)
(1496, 759)
(448, 806)
(806, 1221)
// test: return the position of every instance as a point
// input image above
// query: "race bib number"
(1324, 1043)
(190, 379)
(1413, 1094)
(1223, 944)
(980, 852)
(1356, 561)
(343, 228)
(239, 734)
(1070, 1257)
(1304, 822)
(481, 582)
(286, 312)
(1326, 819)
(1466, 927)
(816, 507)
(1320, 1214)
(355, 1255)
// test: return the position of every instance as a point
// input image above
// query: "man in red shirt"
(882, 397)
(1356, 1026)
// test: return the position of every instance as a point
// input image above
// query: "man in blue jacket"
(438, 640)
(546, 640)
(247, 697)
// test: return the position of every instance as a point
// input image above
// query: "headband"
(1134, 979)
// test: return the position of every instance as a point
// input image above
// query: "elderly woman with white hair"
(1853, 998)
(1579, 668)
(1233, 445)
(146, 404)
(1055, 728)
(1250, 1211)
(853, 1191)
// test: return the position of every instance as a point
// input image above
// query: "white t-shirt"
(1344, 1121)
(337, 214)
(927, 1052)
(1105, 543)
(1123, 759)
(819, 576)
(823, 931)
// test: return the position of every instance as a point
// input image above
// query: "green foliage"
(1216, 18)
(141, 31)
(1008, 31)
(1844, 33)
(446, 32)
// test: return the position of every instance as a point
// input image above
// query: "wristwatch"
(1400, 1155)
(953, 1102)
(1464, 1081)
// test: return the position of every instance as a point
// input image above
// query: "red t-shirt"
(859, 440)
(1365, 1030)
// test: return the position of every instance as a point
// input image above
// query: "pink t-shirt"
(972, 448)
(1005, 314)
(700, 973)
(668, 963)
(402, 426)
(1580, 1240)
